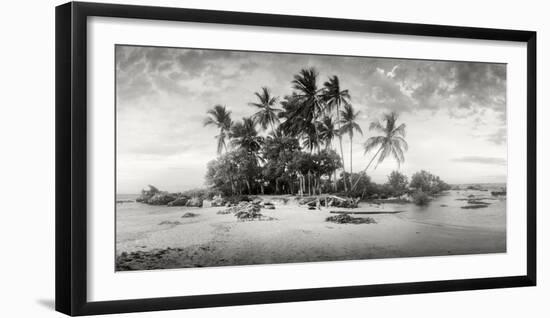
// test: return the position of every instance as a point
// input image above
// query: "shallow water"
(445, 210)
(442, 210)
(297, 234)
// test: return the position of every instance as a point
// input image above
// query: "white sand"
(297, 235)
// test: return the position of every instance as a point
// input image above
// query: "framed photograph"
(208, 158)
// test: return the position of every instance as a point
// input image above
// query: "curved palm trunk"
(364, 170)
(341, 148)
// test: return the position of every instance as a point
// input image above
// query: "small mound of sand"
(346, 219)
(190, 215)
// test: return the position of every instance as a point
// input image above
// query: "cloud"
(498, 137)
(481, 160)
(162, 96)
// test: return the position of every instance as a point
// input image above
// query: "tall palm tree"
(304, 107)
(327, 133)
(390, 143)
(334, 97)
(219, 117)
(349, 126)
(267, 113)
(245, 136)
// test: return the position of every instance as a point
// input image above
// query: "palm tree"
(267, 114)
(349, 125)
(391, 142)
(327, 131)
(334, 97)
(304, 107)
(245, 136)
(219, 117)
(311, 136)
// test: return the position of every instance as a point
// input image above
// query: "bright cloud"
(455, 111)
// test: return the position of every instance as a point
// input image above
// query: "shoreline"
(293, 235)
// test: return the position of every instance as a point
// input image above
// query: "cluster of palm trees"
(315, 116)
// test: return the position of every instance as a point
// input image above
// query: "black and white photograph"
(228, 158)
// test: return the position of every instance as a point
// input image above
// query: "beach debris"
(236, 199)
(248, 215)
(498, 193)
(189, 215)
(170, 223)
(345, 218)
(179, 201)
(329, 201)
(246, 211)
(268, 206)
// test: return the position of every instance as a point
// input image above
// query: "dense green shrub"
(421, 198)
(398, 183)
(427, 182)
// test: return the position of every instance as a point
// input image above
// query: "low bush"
(421, 198)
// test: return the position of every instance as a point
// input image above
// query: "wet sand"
(153, 237)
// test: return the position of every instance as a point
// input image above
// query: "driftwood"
(330, 200)
(366, 212)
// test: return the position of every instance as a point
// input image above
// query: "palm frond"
(373, 142)
(376, 125)
(400, 131)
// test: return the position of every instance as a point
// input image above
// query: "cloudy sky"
(455, 112)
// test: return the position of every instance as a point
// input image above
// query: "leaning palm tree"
(219, 117)
(349, 125)
(334, 97)
(267, 113)
(390, 143)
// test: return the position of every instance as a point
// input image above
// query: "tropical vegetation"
(286, 145)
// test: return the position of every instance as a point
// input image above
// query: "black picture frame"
(71, 157)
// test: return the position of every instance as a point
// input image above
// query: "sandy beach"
(151, 237)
